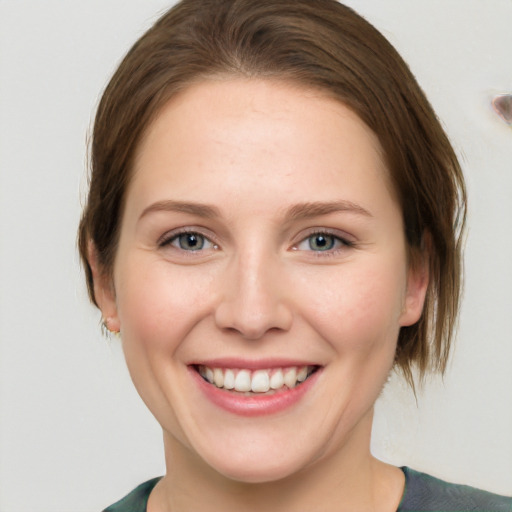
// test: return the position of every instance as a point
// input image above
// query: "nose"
(253, 299)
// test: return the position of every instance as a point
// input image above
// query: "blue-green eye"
(190, 241)
(321, 242)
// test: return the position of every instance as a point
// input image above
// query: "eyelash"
(340, 242)
(169, 238)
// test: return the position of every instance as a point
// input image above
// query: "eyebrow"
(201, 210)
(316, 209)
(299, 211)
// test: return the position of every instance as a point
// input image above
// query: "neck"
(345, 480)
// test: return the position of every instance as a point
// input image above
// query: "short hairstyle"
(318, 44)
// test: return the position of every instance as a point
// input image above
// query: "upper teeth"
(258, 381)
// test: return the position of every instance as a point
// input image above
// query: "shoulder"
(424, 493)
(136, 501)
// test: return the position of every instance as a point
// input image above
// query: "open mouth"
(251, 382)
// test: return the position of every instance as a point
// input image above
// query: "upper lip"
(252, 364)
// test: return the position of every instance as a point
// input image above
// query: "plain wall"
(74, 436)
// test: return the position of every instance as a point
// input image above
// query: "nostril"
(252, 321)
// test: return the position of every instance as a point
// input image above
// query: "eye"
(189, 241)
(321, 242)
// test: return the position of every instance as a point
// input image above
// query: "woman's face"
(261, 245)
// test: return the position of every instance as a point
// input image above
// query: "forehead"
(244, 131)
(243, 100)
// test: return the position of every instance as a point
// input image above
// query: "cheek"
(157, 309)
(359, 309)
(157, 304)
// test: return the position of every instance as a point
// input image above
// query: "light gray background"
(74, 436)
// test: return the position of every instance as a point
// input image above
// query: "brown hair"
(317, 44)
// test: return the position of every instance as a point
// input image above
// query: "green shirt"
(423, 493)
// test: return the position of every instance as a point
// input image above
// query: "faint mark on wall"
(502, 104)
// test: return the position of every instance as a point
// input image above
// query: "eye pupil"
(191, 241)
(321, 242)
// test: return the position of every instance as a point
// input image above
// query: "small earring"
(106, 331)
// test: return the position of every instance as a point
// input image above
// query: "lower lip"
(254, 405)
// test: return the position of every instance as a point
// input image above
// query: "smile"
(256, 381)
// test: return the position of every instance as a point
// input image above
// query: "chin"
(255, 468)
(258, 473)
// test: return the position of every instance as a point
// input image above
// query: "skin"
(254, 150)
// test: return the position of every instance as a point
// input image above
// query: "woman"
(273, 224)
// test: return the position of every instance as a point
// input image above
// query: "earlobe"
(416, 291)
(104, 292)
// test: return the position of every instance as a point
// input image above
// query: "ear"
(104, 291)
(417, 285)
